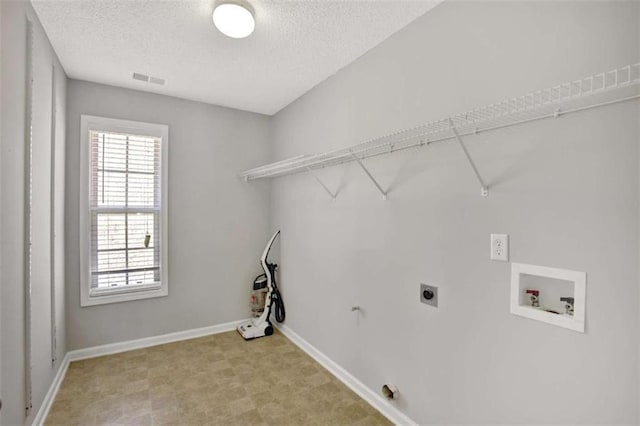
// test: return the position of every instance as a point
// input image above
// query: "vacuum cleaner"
(265, 295)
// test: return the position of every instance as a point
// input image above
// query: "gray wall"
(47, 203)
(566, 190)
(217, 224)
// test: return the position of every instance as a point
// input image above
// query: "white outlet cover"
(500, 247)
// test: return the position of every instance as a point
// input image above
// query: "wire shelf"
(606, 88)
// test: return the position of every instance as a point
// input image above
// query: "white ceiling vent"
(149, 79)
(141, 77)
(157, 80)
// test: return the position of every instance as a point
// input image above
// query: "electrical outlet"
(500, 247)
(429, 295)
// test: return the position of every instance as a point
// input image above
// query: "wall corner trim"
(50, 396)
(377, 401)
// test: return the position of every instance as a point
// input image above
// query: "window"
(123, 206)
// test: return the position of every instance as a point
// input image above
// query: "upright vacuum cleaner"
(264, 296)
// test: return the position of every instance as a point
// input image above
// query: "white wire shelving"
(598, 90)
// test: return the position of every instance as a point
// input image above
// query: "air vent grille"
(149, 79)
(141, 77)
(156, 80)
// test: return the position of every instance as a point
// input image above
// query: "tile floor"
(219, 379)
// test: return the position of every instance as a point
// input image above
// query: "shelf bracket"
(375, 182)
(315, 176)
(484, 190)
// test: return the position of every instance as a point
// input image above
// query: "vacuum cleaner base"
(251, 330)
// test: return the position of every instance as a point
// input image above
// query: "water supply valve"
(568, 304)
(534, 297)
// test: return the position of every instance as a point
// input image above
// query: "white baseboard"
(114, 348)
(42, 413)
(377, 401)
(129, 345)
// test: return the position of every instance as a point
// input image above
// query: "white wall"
(47, 149)
(217, 224)
(1, 274)
(566, 191)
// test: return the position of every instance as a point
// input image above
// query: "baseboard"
(377, 401)
(129, 345)
(114, 348)
(42, 413)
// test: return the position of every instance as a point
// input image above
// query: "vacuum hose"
(276, 297)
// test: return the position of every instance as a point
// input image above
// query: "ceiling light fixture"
(234, 20)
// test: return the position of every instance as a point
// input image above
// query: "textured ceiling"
(296, 45)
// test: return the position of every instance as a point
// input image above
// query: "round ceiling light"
(234, 20)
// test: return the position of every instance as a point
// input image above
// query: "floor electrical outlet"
(500, 247)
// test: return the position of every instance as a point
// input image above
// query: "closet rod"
(603, 89)
(475, 132)
(503, 126)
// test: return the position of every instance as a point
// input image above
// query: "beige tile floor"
(219, 379)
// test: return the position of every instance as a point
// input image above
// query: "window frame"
(87, 124)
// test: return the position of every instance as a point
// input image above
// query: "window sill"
(123, 297)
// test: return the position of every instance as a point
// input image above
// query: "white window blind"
(125, 200)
